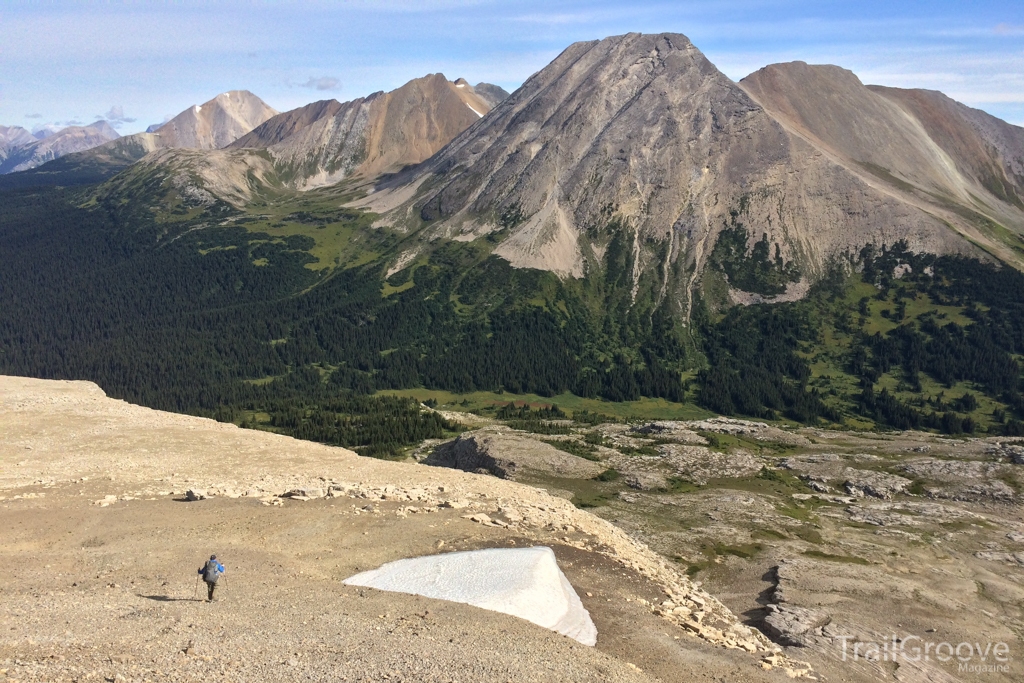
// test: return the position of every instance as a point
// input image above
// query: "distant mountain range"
(639, 134)
(21, 151)
(318, 145)
(12, 137)
(314, 145)
(608, 229)
(210, 125)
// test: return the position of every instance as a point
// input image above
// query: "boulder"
(195, 494)
(862, 483)
(791, 625)
(305, 493)
(646, 481)
(504, 453)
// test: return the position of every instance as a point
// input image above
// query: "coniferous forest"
(221, 318)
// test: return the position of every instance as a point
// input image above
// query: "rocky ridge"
(326, 142)
(319, 144)
(922, 147)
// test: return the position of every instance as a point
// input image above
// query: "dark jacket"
(211, 571)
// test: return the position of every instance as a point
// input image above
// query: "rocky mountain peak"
(640, 138)
(619, 129)
(492, 94)
(328, 141)
(14, 136)
(215, 123)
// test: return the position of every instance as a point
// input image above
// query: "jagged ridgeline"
(629, 224)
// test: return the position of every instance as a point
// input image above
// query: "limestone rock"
(646, 481)
(788, 624)
(862, 483)
(1012, 452)
(504, 453)
(306, 493)
(1012, 558)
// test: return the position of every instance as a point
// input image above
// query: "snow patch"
(473, 110)
(522, 582)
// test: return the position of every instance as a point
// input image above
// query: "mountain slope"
(216, 123)
(929, 151)
(985, 149)
(325, 142)
(279, 128)
(640, 138)
(12, 137)
(66, 141)
(490, 93)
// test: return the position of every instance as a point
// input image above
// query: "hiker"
(211, 571)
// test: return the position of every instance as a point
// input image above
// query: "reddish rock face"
(326, 142)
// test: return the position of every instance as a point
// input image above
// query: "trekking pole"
(195, 591)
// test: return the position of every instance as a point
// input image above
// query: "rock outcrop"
(788, 625)
(505, 454)
(860, 483)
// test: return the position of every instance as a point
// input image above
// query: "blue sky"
(140, 62)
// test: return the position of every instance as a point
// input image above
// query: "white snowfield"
(523, 582)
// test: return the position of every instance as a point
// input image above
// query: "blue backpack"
(211, 572)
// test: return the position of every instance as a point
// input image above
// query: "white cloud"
(115, 117)
(322, 83)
